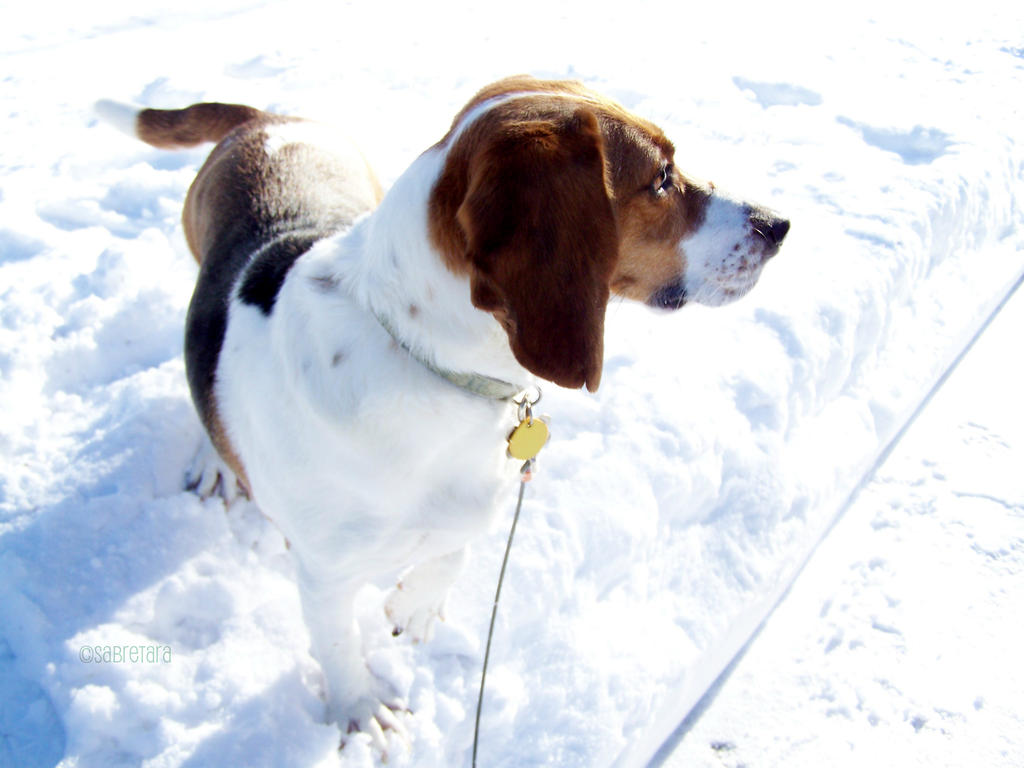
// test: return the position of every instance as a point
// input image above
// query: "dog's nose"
(778, 230)
(771, 227)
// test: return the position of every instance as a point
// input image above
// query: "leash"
(494, 613)
(524, 443)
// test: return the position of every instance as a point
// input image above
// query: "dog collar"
(474, 383)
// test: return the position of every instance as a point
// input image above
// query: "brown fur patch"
(235, 186)
(650, 228)
(540, 240)
(512, 172)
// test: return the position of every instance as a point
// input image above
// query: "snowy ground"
(673, 508)
(900, 642)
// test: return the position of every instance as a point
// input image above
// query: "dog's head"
(553, 197)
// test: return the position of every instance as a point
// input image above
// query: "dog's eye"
(665, 180)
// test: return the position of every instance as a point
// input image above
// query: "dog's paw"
(411, 611)
(376, 720)
(210, 475)
(419, 598)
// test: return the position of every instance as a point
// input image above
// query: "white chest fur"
(367, 461)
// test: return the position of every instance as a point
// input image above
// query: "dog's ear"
(541, 242)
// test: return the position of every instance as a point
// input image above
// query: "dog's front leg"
(351, 700)
(420, 596)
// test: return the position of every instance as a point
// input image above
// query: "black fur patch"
(262, 278)
(266, 272)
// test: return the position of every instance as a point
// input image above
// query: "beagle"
(355, 357)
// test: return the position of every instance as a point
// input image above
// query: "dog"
(358, 359)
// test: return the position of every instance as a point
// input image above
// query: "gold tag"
(527, 439)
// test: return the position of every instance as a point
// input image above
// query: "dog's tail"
(177, 128)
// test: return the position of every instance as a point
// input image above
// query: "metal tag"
(528, 438)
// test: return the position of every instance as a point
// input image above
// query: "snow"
(671, 511)
(900, 642)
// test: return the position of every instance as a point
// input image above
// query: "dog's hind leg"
(210, 475)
